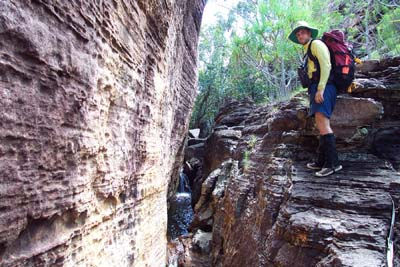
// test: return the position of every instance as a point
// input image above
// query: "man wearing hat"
(322, 93)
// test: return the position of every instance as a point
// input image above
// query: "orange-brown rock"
(94, 105)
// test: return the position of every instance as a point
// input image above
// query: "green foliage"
(389, 33)
(246, 159)
(252, 142)
(248, 55)
(213, 81)
(247, 152)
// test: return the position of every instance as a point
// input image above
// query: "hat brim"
(292, 36)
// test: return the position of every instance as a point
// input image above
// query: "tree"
(260, 63)
(214, 53)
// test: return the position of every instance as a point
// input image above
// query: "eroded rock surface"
(95, 98)
(183, 251)
(270, 210)
(380, 80)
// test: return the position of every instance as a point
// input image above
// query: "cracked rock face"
(95, 98)
(272, 211)
(275, 212)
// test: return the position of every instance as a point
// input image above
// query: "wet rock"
(184, 252)
(212, 190)
(202, 241)
(180, 214)
(193, 168)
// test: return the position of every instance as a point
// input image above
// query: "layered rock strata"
(95, 98)
(264, 208)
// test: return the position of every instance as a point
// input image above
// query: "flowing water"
(180, 213)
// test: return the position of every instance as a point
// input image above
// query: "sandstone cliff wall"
(94, 104)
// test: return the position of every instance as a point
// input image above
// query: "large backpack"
(342, 59)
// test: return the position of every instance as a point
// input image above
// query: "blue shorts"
(329, 103)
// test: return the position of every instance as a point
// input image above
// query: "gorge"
(96, 98)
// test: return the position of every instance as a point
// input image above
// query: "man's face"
(303, 36)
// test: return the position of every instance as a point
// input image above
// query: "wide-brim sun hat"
(302, 25)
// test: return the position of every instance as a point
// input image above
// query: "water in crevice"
(180, 212)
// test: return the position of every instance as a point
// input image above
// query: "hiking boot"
(328, 171)
(314, 166)
(331, 164)
(319, 162)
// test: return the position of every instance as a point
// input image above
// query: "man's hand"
(319, 96)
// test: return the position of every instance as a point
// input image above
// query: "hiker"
(322, 93)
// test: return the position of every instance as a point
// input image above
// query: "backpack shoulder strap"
(309, 53)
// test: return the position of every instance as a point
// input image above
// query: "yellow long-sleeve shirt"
(321, 52)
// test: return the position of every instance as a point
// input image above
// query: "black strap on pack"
(317, 74)
(311, 56)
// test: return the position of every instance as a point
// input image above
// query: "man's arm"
(321, 52)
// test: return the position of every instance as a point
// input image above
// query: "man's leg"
(331, 159)
(323, 124)
(319, 161)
